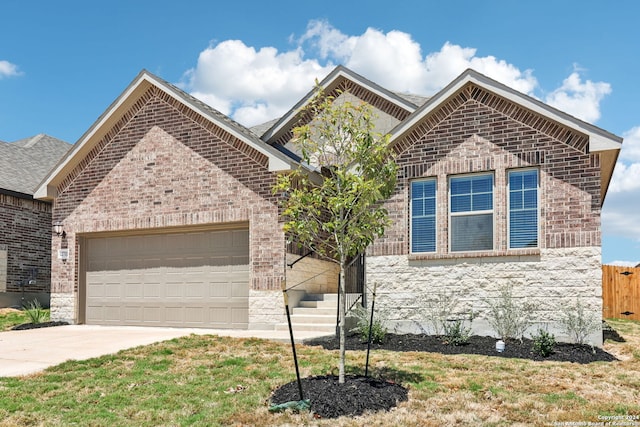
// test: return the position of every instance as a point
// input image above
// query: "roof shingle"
(26, 162)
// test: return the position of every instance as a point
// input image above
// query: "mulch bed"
(330, 399)
(25, 326)
(359, 394)
(477, 345)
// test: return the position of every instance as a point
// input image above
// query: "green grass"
(10, 318)
(209, 380)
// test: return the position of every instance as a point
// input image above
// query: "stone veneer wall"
(266, 309)
(63, 307)
(554, 279)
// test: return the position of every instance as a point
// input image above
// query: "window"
(471, 213)
(423, 216)
(523, 209)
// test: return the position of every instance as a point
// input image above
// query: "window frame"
(492, 211)
(435, 215)
(508, 186)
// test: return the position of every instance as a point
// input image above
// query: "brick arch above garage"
(215, 145)
(163, 169)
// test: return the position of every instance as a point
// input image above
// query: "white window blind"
(523, 209)
(471, 213)
(423, 216)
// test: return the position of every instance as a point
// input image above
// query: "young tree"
(338, 213)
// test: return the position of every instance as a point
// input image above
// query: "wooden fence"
(620, 292)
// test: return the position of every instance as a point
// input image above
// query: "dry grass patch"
(222, 381)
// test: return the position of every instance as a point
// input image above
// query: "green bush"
(35, 312)
(456, 333)
(543, 343)
(378, 328)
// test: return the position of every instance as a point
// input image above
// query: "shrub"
(543, 343)
(35, 312)
(508, 317)
(438, 309)
(378, 327)
(456, 333)
(577, 323)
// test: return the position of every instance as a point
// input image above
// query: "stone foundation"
(63, 307)
(266, 309)
(554, 279)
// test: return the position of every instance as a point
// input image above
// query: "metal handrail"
(354, 286)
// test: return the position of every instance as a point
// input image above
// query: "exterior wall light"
(59, 229)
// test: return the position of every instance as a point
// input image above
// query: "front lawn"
(209, 380)
(10, 317)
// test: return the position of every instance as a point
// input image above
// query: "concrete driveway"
(30, 351)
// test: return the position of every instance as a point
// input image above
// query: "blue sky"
(62, 63)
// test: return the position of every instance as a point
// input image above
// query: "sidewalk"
(30, 351)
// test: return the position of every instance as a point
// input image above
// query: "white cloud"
(620, 216)
(626, 176)
(7, 69)
(620, 211)
(579, 99)
(631, 145)
(254, 85)
(395, 61)
(623, 263)
(329, 41)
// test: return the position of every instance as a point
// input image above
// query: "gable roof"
(606, 144)
(132, 94)
(24, 163)
(400, 106)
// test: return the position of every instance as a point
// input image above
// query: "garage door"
(195, 279)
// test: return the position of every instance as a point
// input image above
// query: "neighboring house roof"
(24, 163)
(606, 144)
(132, 94)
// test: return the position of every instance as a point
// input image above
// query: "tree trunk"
(343, 319)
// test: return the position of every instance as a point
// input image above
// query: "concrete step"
(313, 311)
(318, 304)
(313, 318)
(320, 297)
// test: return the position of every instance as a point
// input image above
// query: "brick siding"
(477, 131)
(162, 166)
(25, 234)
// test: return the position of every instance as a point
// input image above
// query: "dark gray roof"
(417, 100)
(25, 163)
(260, 129)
